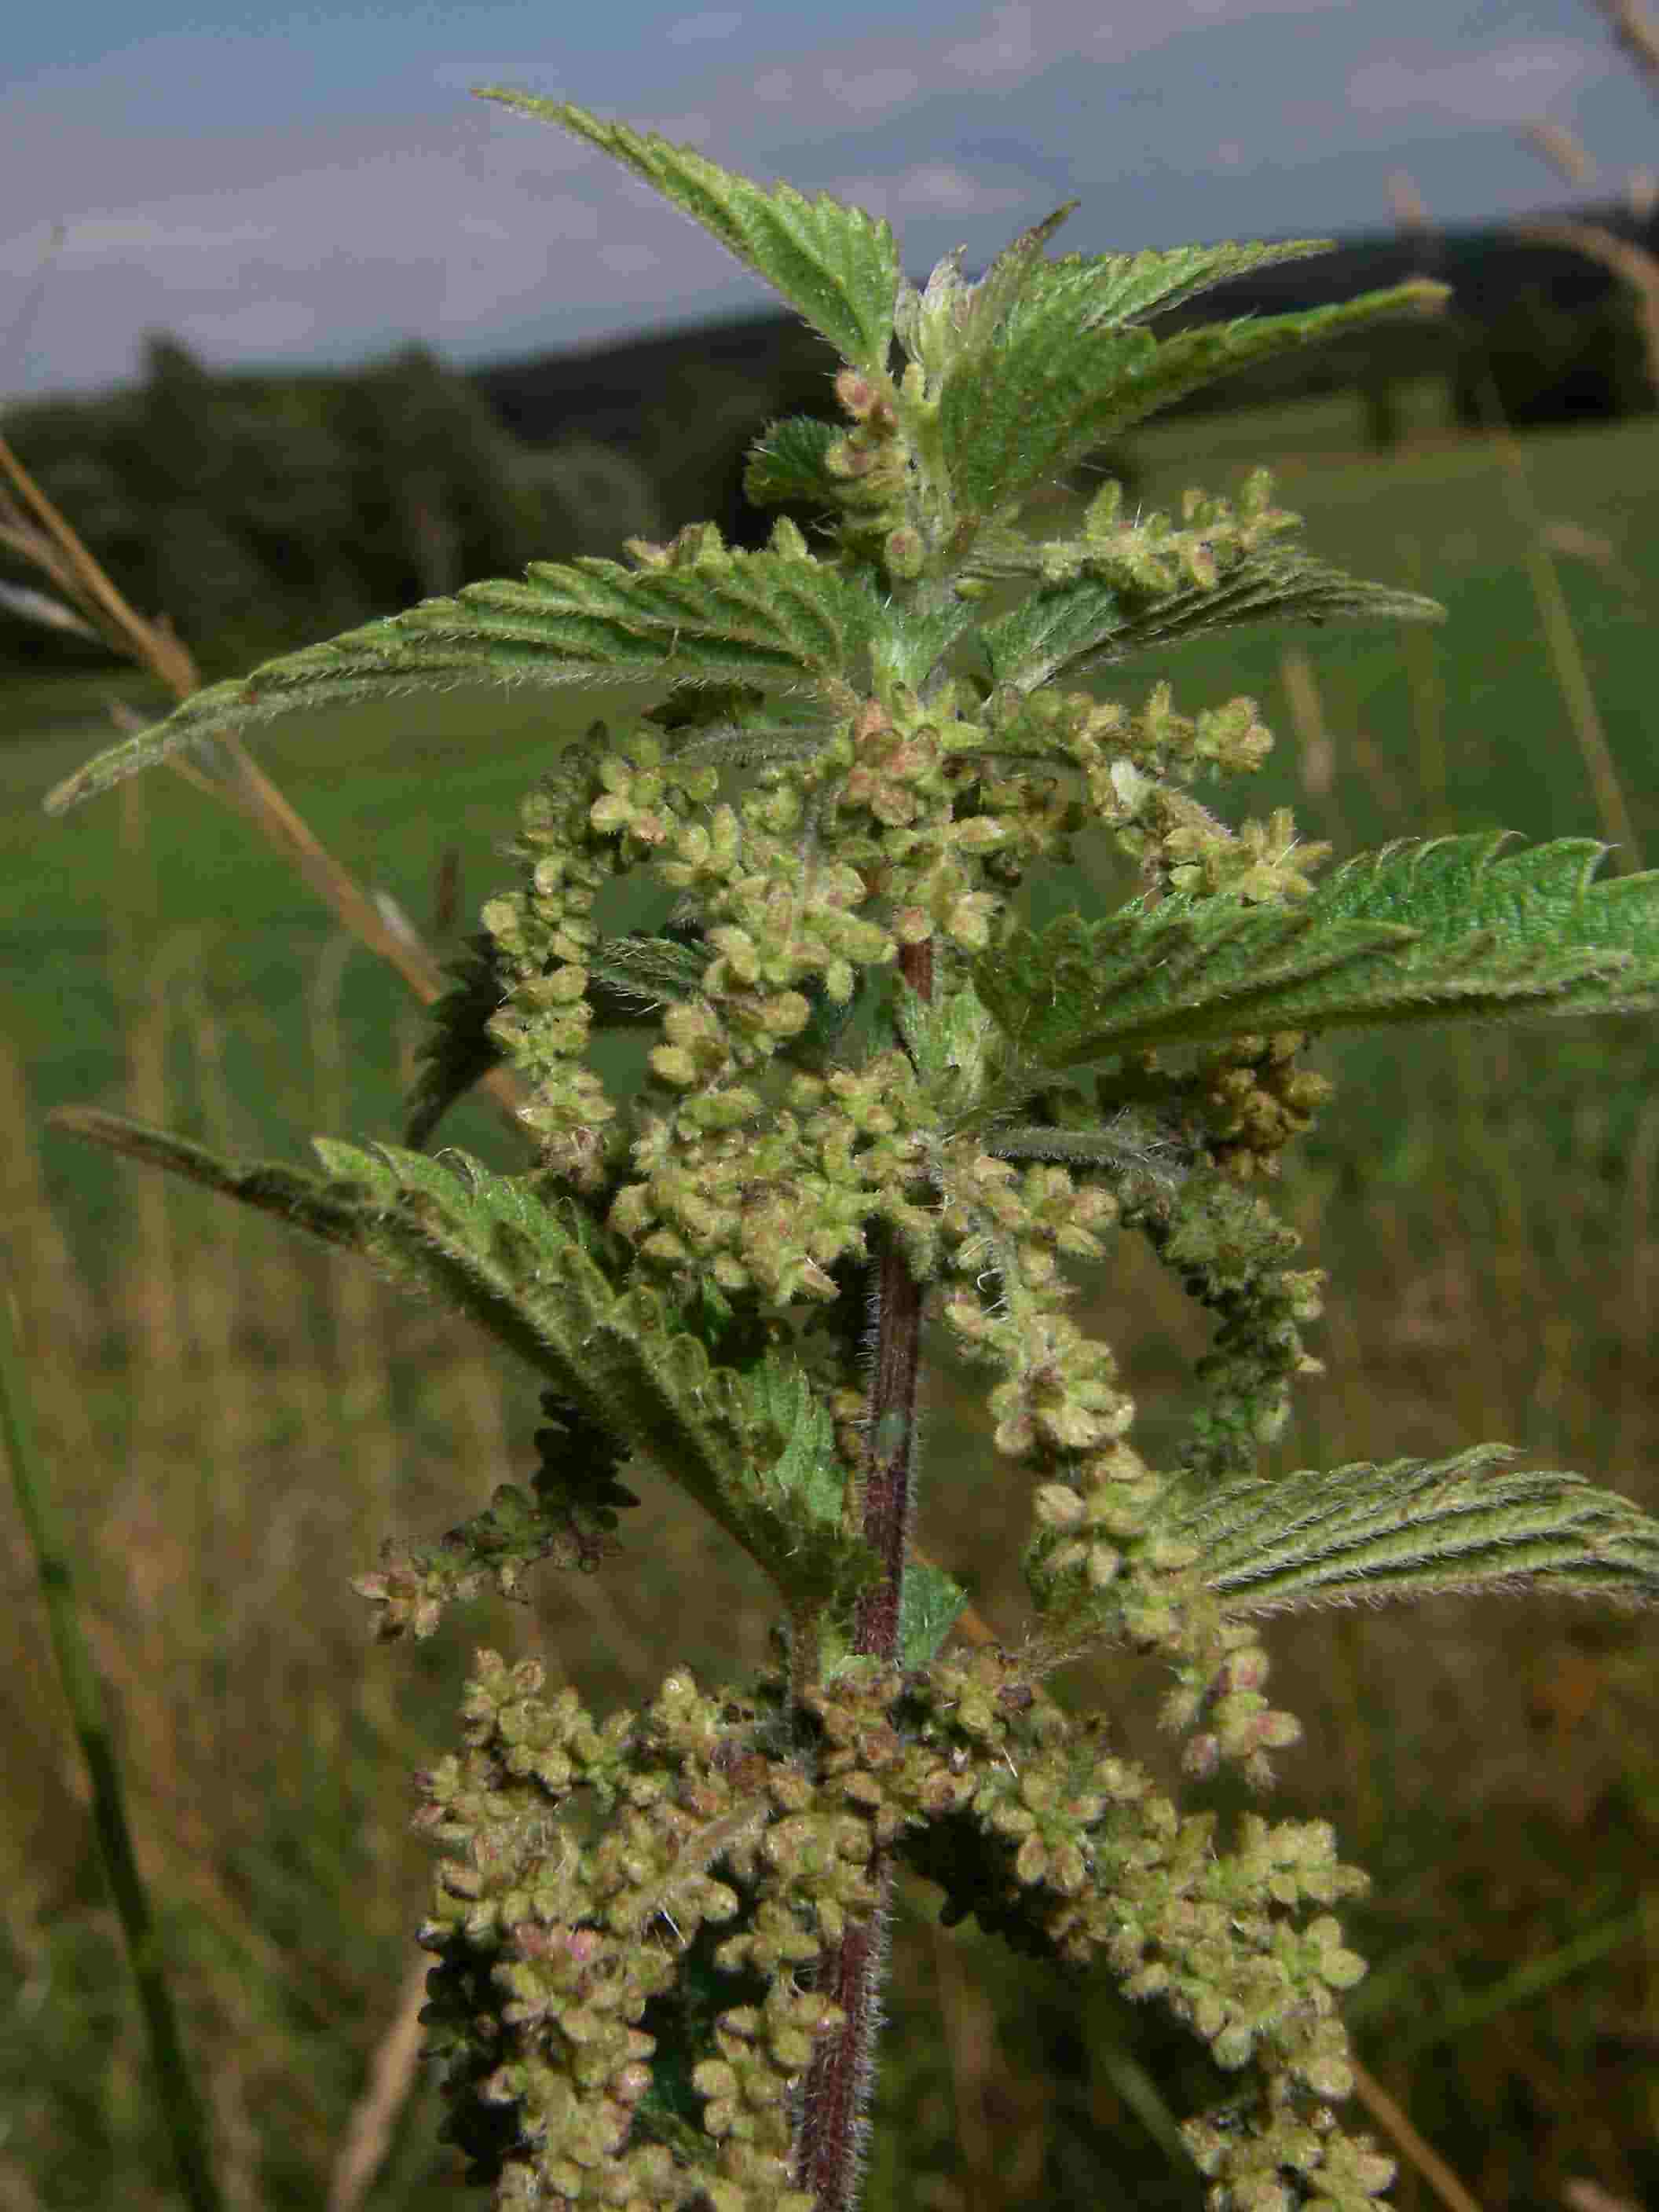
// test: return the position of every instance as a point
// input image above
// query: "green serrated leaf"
(1493, 933)
(1051, 628)
(1073, 629)
(788, 463)
(908, 645)
(954, 1045)
(837, 266)
(1054, 388)
(1078, 991)
(458, 1050)
(1108, 290)
(762, 618)
(806, 1480)
(792, 1510)
(1190, 359)
(930, 1605)
(1412, 1529)
(1420, 932)
(755, 1450)
(333, 1214)
(632, 977)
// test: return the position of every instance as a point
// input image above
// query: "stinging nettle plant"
(875, 1095)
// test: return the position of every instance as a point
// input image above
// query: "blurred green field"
(230, 1413)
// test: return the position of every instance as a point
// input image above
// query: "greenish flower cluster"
(773, 1212)
(552, 1951)
(1008, 1230)
(569, 1517)
(541, 935)
(1257, 1099)
(1231, 1252)
(1069, 1851)
(1137, 768)
(1149, 558)
(746, 1840)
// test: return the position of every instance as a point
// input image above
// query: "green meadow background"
(233, 1423)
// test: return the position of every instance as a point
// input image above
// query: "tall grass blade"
(1525, 1983)
(54, 1564)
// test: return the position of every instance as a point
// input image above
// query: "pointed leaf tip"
(1074, 367)
(1428, 930)
(836, 265)
(1412, 1529)
(760, 618)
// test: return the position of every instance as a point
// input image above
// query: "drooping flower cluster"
(744, 1840)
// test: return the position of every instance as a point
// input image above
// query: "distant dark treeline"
(261, 511)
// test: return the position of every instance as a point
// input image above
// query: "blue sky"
(316, 185)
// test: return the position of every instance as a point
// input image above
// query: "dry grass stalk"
(390, 2078)
(1566, 154)
(1567, 660)
(1317, 760)
(1586, 2196)
(1411, 211)
(1419, 2154)
(1636, 30)
(33, 526)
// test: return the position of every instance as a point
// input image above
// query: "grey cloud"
(488, 233)
(715, 23)
(1507, 83)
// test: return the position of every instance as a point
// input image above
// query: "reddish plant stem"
(892, 1408)
(829, 2155)
(892, 1426)
(838, 2081)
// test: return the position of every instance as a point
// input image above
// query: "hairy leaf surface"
(837, 266)
(458, 1050)
(1026, 407)
(1070, 629)
(761, 618)
(530, 1273)
(789, 463)
(1412, 1529)
(804, 1481)
(930, 1605)
(1105, 290)
(1419, 931)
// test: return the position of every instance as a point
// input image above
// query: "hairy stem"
(892, 1429)
(838, 2081)
(829, 2154)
